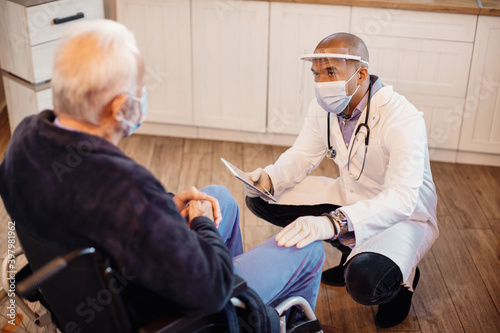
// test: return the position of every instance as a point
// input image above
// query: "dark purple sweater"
(72, 189)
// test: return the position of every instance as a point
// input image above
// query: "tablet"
(246, 180)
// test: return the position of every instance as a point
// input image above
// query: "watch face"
(340, 214)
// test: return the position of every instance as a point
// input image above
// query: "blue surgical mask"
(131, 127)
(332, 96)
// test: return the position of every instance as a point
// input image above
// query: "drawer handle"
(77, 16)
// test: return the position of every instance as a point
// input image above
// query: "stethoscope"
(331, 153)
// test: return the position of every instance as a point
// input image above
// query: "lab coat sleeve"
(404, 139)
(305, 154)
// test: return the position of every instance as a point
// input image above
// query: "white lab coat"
(392, 206)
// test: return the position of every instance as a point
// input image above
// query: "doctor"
(381, 210)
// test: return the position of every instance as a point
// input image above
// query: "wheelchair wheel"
(22, 323)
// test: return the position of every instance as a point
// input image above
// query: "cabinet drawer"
(421, 66)
(42, 19)
(44, 99)
(43, 57)
(366, 22)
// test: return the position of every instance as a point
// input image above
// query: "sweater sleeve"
(192, 267)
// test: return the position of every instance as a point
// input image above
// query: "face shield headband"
(331, 93)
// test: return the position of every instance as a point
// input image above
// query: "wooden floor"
(459, 289)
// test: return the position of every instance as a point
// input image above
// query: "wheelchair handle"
(49, 270)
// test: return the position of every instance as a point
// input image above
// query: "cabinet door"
(230, 46)
(421, 66)
(433, 76)
(163, 33)
(295, 30)
(481, 120)
(443, 119)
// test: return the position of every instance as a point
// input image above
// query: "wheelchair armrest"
(29, 286)
(189, 323)
(239, 285)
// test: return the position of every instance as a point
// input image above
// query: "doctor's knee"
(372, 278)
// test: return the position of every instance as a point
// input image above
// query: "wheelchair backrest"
(85, 295)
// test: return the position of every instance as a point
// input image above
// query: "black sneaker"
(335, 276)
(395, 311)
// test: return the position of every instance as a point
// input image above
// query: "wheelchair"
(94, 277)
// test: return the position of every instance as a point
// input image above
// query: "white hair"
(94, 62)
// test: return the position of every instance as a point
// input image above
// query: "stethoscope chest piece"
(331, 153)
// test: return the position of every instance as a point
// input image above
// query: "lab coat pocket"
(375, 161)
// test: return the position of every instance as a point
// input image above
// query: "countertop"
(29, 3)
(490, 7)
(475, 7)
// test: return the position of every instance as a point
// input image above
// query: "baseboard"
(466, 157)
(185, 131)
(196, 132)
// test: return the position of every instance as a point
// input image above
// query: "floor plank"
(231, 151)
(198, 146)
(165, 163)
(454, 192)
(347, 315)
(255, 156)
(484, 252)
(473, 303)
(459, 289)
(432, 302)
(139, 147)
(4, 132)
(487, 192)
(323, 311)
(196, 170)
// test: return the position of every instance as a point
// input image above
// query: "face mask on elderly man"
(332, 96)
(131, 127)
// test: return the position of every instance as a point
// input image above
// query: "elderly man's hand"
(183, 198)
(200, 208)
(305, 230)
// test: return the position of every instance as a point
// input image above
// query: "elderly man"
(381, 210)
(65, 183)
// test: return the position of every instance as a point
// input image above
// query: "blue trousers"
(274, 272)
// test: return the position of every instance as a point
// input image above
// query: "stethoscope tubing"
(367, 138)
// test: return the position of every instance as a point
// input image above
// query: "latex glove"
(305, 230)
(261, 180)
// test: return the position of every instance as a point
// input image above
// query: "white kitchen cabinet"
(29, 33)
(163, 33)
(481, 119)
(421, 66)
(25, 99)
(367, 22)
(296, 29)
(426, 57)
(231, 69)
(230, 52)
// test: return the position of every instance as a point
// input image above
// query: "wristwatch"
(340, 218)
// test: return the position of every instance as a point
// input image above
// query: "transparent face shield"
(326, 77)
(331, 74)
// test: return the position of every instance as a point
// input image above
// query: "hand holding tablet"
(250, 185)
